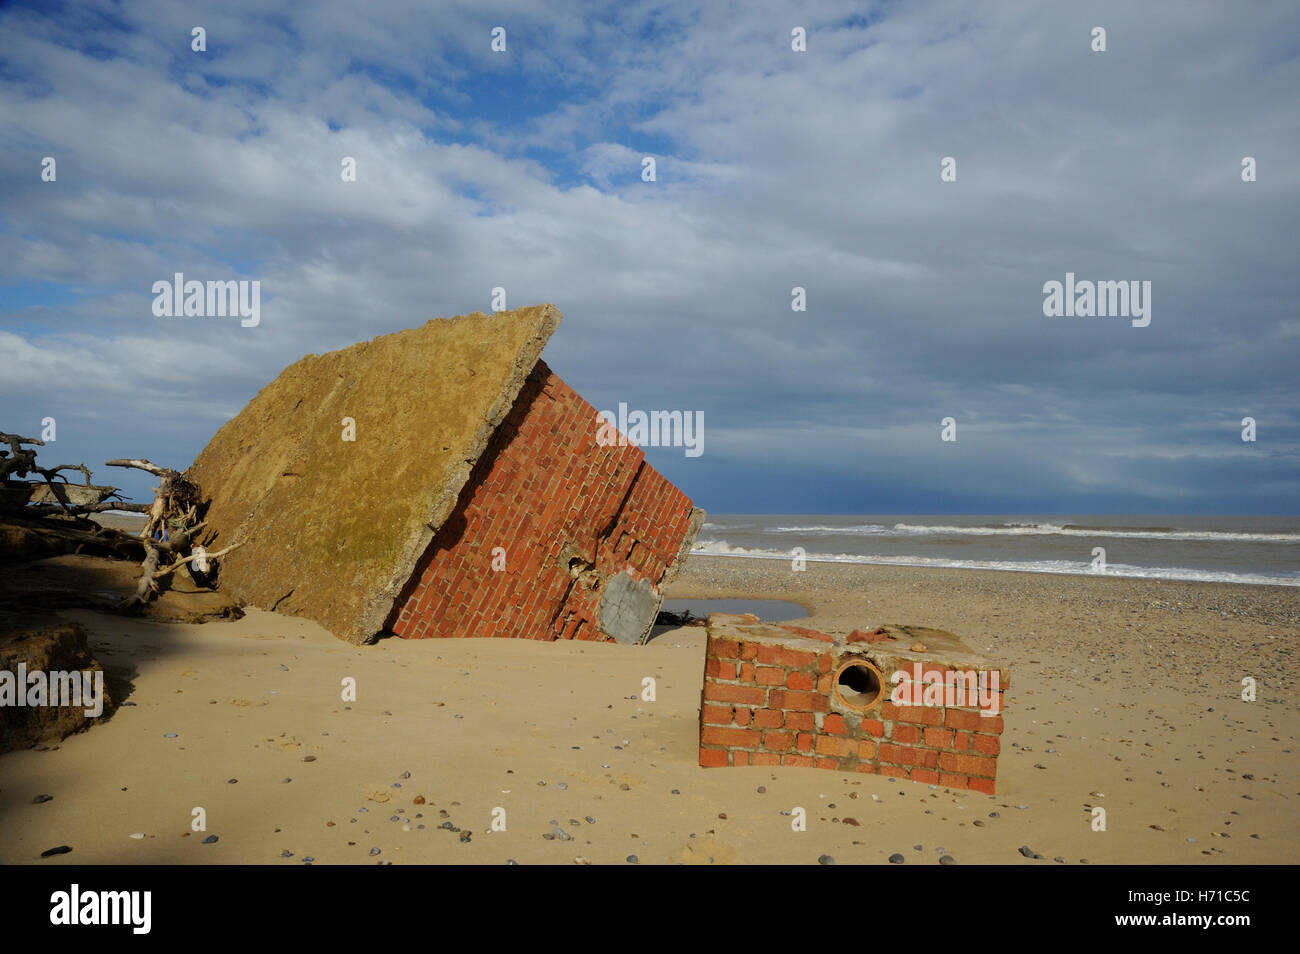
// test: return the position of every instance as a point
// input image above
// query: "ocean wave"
(724, 549)
(1072, 530)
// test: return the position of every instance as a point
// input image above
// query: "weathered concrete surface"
(332, 530)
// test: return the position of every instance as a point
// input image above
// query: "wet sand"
(1125, 694)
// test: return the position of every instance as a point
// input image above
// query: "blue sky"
(775, 169)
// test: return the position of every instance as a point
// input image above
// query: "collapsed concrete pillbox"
(787, 695)
(442, 481)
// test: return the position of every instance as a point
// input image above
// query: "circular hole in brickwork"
(858, 685)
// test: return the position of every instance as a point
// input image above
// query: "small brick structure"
(555, 536)
(787, 695)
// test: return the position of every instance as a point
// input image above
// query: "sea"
(1215, 549)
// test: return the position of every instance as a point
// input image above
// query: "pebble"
(825, 860)
(632, 859)
(1027, 851)
(947, 860)
(232, 781)
(896, 859)
(309, 758)
(374, 851)
(137, 835)
(511, 861)
(42, 799)
(169, 735)
(61, 850)
(211, 840)
(590, 820)
(286, 854)
(762, 789)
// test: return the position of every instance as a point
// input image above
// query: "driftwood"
(57, 510)
(169, 532)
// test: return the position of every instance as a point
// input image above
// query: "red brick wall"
(773, 705)
(569, 513)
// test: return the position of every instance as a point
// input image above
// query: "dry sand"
(1125, 694)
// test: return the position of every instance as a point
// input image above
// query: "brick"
(747, 672)
(711, 667)
(749, 650)
(741, 757)
(984, 785)
(768, 718)
(750, 696)
(724, 648)
(938, 738)
(925, 776)
(894, 771)
(828, 763)
(800, 720)
(825, 681)
(778, 741)
(743, 715)
(952, 781)
(826, 745)
(961, 741)
(907, 734)
(922, 715)
(873, 727)
(967, 764)
(866, 750)
(834, 725)
(764, 758)
(716, 715)
(713, 758)
(804, 742)
(789, 658)
(824, 663)
(987, 744)
(962, 719)
(726, 670)
(742, 738)
(800, 681)
(802, 761)
(770, 676)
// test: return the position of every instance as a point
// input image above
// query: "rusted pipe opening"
(858, 685)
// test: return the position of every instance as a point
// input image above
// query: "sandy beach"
(1126, 694)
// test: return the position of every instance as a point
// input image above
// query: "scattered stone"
(825, 860)
(896, 859)
(42, 799)
(1027, 851)
(137, 835)
(418, 800)
(169, 735)
(309, 758)
(211, 840)
(51, 852)
(947, 860)
(632, 859)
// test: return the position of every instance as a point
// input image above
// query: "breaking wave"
(724, 549)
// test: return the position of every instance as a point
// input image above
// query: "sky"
(775, 168)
